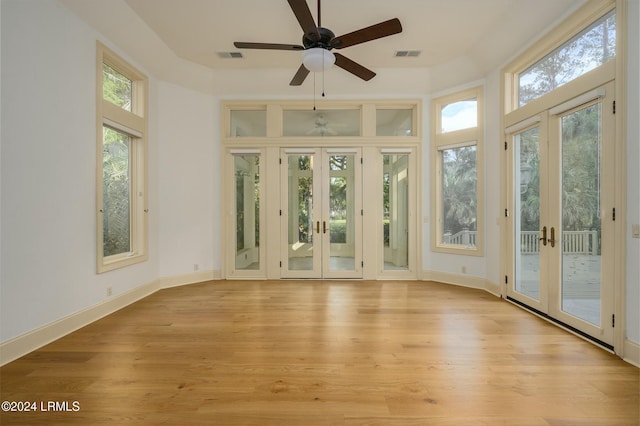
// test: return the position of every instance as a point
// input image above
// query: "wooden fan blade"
(383, 29)
(354, 67)
(301, 74)
(272, 46)
(304, 17)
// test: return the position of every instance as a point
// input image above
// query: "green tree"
(459, 189)
(116, 192)
(585, 52)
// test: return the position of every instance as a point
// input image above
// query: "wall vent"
(407, 53)
(230, 55)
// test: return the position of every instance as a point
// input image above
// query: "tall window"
(121, 162)
(457, 153)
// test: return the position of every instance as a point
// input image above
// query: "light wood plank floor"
(323, 353)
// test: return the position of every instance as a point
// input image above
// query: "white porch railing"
(464, 238)
(573, 242)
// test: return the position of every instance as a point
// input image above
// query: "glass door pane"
(580, 236)
(527, 213)
(322, 214)
(300, 209)
(247, 176)
(341, 218)
(395, 190)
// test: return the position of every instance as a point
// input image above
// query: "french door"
(563, 207)
(321, 213)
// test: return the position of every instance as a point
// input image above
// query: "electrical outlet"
(109, 291)
(635, 230)
(196, 267)
(463, 269)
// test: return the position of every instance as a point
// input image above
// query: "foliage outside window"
(116, 200)
(457, 164)
(586, 51)
(121, 174)
(459, 196)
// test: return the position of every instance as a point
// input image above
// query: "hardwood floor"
(322, 353)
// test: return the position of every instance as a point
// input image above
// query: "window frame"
(442, 141)
(133, 123)
(571, 27)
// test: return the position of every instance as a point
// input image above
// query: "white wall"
(48, 171)
(188, 181)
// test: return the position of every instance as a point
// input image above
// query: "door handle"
(552, 240)
(317, 227)
(544, 236)
(324, 227)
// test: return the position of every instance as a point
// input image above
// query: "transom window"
(588, 50)
(459, 115)
(116, 87)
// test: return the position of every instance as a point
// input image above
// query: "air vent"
(230, 55)
(407, 53)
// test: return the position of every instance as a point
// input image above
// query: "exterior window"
(116, 197)
(588, 50)
(457, 164)
(459, 200)
(247, 175)
(394, 122)
(321, 123)
(121, 191)
(395, 207)
(116, 88)
(459, 115)
(248, 123)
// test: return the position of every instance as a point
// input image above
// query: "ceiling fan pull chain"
(323, 68)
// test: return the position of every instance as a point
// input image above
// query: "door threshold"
(564, 325)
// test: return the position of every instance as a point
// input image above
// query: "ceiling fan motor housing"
(326, 35)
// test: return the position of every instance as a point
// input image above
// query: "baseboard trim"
(468, 281)
(196, 277)
(631, 353)
(28, 342)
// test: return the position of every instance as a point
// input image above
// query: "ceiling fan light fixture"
(318, 59)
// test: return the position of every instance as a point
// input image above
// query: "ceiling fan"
(317, 43)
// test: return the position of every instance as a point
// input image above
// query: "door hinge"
(613, 320)
(281, 263)
(614, 107)
(614, 214)
(280, 160)
(280, 212)
(505, 145)
(361, 212)
(362, 263)
(506, 279)
(361, 160)
(506, 212)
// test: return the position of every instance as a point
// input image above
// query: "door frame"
(321, 245)
(549, 304)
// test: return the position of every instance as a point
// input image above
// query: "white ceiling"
(462, 41)
(443, 30)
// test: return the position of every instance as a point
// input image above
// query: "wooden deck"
(323, 353)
